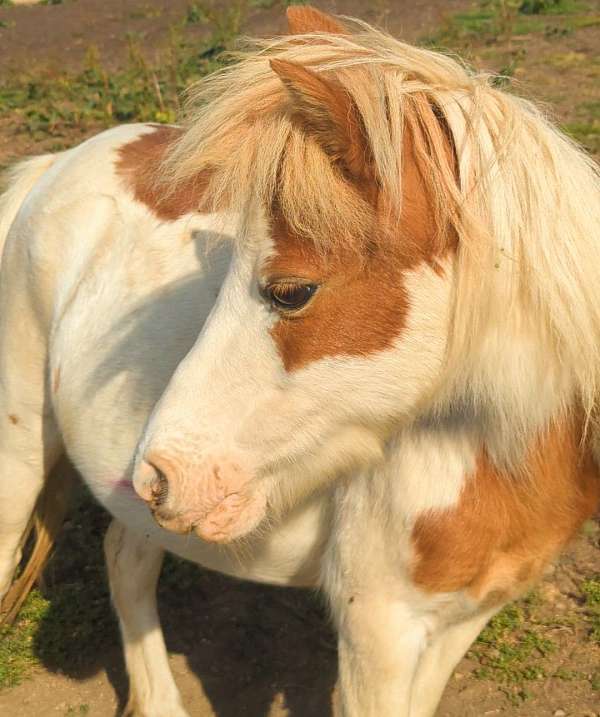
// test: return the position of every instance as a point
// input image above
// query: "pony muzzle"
(217, 501)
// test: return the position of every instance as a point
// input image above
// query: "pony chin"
(235, 517)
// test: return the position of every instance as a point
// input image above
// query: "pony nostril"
(151, 483)
(159, 488)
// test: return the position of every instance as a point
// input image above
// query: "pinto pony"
(342, 330)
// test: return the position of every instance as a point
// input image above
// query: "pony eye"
(289, 296)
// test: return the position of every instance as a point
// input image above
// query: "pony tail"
(45, 524)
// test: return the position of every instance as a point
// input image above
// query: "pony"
(341, 330)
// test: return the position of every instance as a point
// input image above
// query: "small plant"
(17, 648)
(591, 592)
(46, 104)
(195, 14)
(535, 7)
(494, 20)
(509, 650)
(225, 22)
(263, 4)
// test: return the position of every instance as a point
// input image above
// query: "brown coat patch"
(139, 164)
(13, 419)
(506, 528)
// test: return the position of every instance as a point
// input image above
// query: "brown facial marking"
(138, 165)
(362, 303)
(506, 528)
(357, 310)
(13, 419)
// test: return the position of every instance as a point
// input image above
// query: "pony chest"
(506, 525)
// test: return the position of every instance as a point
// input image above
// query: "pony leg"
(134, 565)
(441, 656)
(380, 644)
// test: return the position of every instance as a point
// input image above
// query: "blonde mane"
(526, 208)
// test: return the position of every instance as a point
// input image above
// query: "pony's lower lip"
(174, 522)
(233, 517)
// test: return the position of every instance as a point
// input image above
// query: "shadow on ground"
(246, 643)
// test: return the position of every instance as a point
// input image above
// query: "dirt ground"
(238, 649)
(60, 34)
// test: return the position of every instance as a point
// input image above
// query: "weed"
(145, 12)
(194, 14)
(510, 650)
(263, 4)
(591, 592)
(225, 21)
(568, 675)
(49, 104)
(586, 133)
(17, 646)
(494, 20)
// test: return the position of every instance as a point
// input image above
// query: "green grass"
(46, 103)
(515, 650)
(586, 128)
(511, 650)
(72, 619)
(491, 20)
(17, 643)
(591, 593)
(71, 624)
(586, 133)
(78, 711)
(57, 104)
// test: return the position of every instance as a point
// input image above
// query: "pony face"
(328, 333)
(306, 364)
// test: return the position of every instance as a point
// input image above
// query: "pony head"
(372, 272)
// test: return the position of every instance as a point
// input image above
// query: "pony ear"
(327, 112)
(304, 18)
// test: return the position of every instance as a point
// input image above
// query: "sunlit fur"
(122, 334)
(526, 208)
